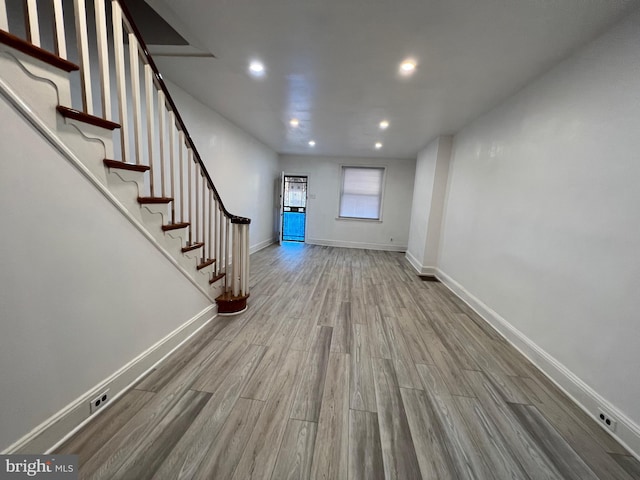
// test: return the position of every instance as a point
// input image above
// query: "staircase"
(125, 132)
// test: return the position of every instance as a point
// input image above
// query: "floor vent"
(428, 278)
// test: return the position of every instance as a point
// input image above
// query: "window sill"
(354, 219)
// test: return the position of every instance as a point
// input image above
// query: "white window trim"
(382, 192)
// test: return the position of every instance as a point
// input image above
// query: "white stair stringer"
(39, 88)
(40, 85)
(44, 87)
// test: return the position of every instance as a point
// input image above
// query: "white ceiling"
(334, 63)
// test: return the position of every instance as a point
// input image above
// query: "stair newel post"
(134, 69)
(121, 82)
(4, 20)
(103, 58)
(151, 128)
(33, 28)
(58, 26)
(181, 147)
(189, 194)
(162, 131)
(83, 55)
(172, 180)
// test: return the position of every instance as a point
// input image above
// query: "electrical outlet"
(98, 402)
(607, 420)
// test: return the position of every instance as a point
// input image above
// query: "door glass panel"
(294, 208)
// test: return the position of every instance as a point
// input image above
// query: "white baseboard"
(260, 245)
(627, 431)
(421, 269)
(389, 247)
(59, 427)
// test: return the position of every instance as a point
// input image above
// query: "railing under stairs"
(153, 138)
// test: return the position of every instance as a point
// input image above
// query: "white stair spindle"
(121, 81)
(4, 20)
(172, 141)
(134, 69)
(220, 242)
(226, 253)
(196, 218)
(235, 265)
(33, 28)
(151, 128)
(245, 259)
(103, 58)
(162, 109)
(189, 194)
(58, 20)
(83, 54)
(204, 210)
(210, 229)
(181, 174)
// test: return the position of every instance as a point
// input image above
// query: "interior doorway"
(294, 208)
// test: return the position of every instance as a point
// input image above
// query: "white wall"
(82, 292)
(542, 217)
(242, 168)
(325, 177)
(429, 188)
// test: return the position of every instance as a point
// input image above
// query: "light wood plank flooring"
(346, 366)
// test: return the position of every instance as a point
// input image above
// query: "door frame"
(281, 206)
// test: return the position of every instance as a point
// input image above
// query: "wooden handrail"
(160, 83)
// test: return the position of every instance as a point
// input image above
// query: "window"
(361, 195)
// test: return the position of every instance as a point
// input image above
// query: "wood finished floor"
(346, 366)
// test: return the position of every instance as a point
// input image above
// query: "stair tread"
(37, 52)
(193, 246)
(175, 226)
(206, 263)
(74, 114)
(215, 278)
(125, 166)
(155, 200)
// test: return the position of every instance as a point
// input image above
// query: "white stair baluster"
(196, 218)
(33, 28)
(204, 209)
(103, 58)
(134, 69)
(181, 174)
(58, 19)
(189, 194)
(121, 81)
(162, 129)
(210, 229)
(4, 20)
(151, 128)
(172, 146)
(83, 54)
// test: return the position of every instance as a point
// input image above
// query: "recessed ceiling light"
(407, 67)
(256, 68)
(312, 143)
(384, 124)
(378, 145)
(294, 122)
